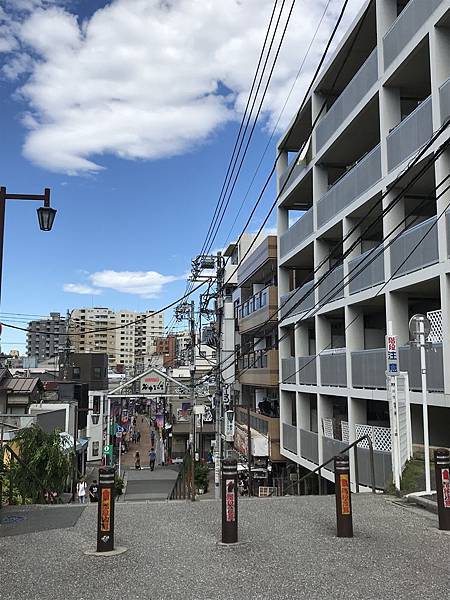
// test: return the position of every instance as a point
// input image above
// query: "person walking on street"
(93, 491)
(152, 437)
(81, 491)
(137, 461)
(138, 437)
(152, 458)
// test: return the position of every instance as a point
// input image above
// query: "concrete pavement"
(290, 551)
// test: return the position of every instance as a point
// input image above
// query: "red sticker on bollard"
(345, 495)
(445, 476)
(230, 501)
(106, 509)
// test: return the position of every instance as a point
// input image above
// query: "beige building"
(130, 345)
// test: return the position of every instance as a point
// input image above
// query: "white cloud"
(79, 288)
(147, 284)
(145, 79)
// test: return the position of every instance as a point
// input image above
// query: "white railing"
(435, 318)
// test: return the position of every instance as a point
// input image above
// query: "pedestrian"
(152, 458)
(93, 491)
(134, 437)
(152, 438)
(137, 461)
(138, 437)
(81, 491)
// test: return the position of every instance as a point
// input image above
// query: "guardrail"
(354, 445)
(180, 490)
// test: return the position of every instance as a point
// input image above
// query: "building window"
(76, 373)
(97, 372)
(95, 448)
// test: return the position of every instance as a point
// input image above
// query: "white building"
(386, 90)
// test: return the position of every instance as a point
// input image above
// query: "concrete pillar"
(357, 414)
(386, 13)
(397, 312)
(442, 169)
(354, 336)
(323, 340)
(393, 224)
(445, 307)
(324, 410)
(439, 53)
(352, 229)
(304, 411)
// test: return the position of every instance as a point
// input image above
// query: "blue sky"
(132, 130)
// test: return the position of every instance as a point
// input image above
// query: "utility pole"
(219, 387)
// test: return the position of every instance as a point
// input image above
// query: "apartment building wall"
(45, 337)
(391, 94)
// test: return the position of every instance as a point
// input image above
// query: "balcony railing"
(350, 186)
(369, 368)
(332, 288)
(309, 446)
(290, 437)
(288, 370)
(421, 251)
(307, 370)
(366, 270)
(259, 309)
(410, 134)
(259, 368)
(291, 300)
(333, 367)
(407, 24)
(352, 95)
(291, 174)
(296, 234)
(444, 96)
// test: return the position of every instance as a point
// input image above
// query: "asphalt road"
(289, 551)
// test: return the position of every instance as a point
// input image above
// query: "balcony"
(410, 134)
(369, 369)
(309, 446)
(260, 309)
(291, 174)
(444, 96)
(298, 300)
(288, 370)
(425, 254)
(366, 270)
(352, 95)
(296, 234)
(268, 426)
(332, 288)
(307, 370)
(333, 369)
(290, 438)
(350, 186)
(263, 253)
(404, 28)
(259, 368)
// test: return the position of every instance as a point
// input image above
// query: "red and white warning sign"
(445, 476)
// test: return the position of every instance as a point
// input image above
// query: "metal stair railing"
(354, 445)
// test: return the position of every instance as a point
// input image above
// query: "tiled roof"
(21, 385)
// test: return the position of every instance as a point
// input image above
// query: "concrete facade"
(383, 95)
(46, 337)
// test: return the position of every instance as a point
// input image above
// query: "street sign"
(107, 450)
(392, 360)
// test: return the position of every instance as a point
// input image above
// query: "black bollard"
(105, 519)
(229, 502)
(442, 470)
(343, 496)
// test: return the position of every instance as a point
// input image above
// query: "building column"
(324, 410)
(357, 414)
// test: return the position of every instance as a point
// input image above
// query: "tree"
(44, 464)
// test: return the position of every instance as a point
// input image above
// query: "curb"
(428, 505)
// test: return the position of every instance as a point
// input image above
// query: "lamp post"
(46, 214)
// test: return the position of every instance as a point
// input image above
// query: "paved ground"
(16, 520)
(290, 551)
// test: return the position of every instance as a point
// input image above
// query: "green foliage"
(44, 464)
(201, 476)
(413, 478)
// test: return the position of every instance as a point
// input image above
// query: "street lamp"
(46, 214)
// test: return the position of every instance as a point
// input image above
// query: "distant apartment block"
(46, 337)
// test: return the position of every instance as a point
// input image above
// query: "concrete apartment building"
(257, 376)
(127, 347)
(46, 337)
(386, 91)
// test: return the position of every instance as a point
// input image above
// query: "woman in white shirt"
(81, 491)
